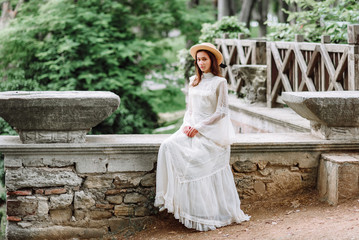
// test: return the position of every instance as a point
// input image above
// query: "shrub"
(318, 18)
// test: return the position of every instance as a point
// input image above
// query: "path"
(296, 217)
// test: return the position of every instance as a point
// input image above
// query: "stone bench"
(338, 177)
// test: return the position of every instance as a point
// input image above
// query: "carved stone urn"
(332, 115)
(56, 117)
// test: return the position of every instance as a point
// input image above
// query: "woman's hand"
(190, 131)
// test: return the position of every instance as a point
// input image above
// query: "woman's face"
(204, 62)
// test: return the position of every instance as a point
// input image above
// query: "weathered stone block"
(131, 162)
(80, 214)
(25, 224)
(40, 177)
(300, 159)
(97, 215)
(42, 208)
(259, 187)
(134, 198)
(64, 160)
(61, 201)
(61, 215)
(92, 164)
(98, 182)
(244, 166)
(142, 211)
(284, 179)
(338, 177)
(83, 200)
(124, 210)
(12, 161)
(104, 206)
(115, 199)
(115, 191)
(15, 232)
(127, 180)
(149, 180)
(32, 161)
(265, 172)
(20, 208)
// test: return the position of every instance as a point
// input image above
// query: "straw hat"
(209, 47)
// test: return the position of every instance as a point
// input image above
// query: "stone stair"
(338, 177)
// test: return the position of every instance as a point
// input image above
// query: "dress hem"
(199, 225)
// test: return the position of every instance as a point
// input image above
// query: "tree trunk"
(282, 16)
(7, 13)
(226, 8)
(223, 9)
(246, 11)
(263, 12)
(193, 3)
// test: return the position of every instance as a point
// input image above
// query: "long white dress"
(194, 178)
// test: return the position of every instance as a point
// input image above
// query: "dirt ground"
(295, 217)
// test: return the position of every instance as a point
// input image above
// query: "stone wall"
(107, 185)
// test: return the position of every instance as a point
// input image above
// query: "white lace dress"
(194, 178)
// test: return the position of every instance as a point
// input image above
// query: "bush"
(318, 18)
(90, 45)
(230, 25)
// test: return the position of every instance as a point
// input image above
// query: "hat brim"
(193, 51)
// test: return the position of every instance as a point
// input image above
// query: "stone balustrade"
(55, 117)
(333, 115)
(106, 184)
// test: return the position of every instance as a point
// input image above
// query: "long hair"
(215, 70)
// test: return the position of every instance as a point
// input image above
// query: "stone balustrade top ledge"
(150, 143)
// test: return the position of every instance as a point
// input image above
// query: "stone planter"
(254, 78)
(333, 115)
(56, 117)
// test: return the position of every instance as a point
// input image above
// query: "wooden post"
(241, 36)
(270, 104)
(225, 35)
(353, 57)
(298, 38)
(325, 39)
(259, 52)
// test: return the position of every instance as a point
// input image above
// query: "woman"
(194, 178)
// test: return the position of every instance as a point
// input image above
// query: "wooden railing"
(297, 66)
(240, 52)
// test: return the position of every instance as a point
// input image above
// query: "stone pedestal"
(333, 115)
(253, 77)
(56, 117)
(338, 177)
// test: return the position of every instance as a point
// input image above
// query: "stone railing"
(105, 185)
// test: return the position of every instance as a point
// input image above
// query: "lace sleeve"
(218, 127)
(187, 116)
(221, 109)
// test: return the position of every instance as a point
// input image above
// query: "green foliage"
(318, 18)
(229, 25)
(2, 173)
(169, 99)
(96, 45)
(5, 128)
(2, 221)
